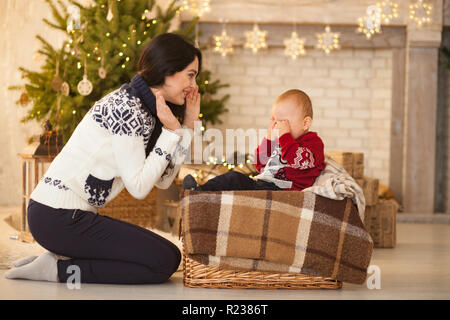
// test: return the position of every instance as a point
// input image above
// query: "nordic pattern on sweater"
(120, 114)
(106, 153)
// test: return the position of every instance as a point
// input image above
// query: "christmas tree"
(104, 41)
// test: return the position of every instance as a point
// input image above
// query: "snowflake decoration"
(370, 24)
(223, 43)
(196, 7)
(389, 11)
(294, 46)
(420, 12)
(256, 39)
(328, 41)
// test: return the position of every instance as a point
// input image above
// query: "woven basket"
(197, 275)
(127, 208)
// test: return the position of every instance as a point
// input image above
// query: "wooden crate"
(352, 162)
(369, 214)
(358, 165)
(380, 221)
(370, 189)
(345, 159)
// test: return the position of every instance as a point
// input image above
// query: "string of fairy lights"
(376, 15)
(382, 12)
(214, 162)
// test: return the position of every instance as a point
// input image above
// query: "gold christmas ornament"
(56, 83)
(24, 99)
(110, 15)
(328, 41)
(255, 39)
(80, 39)
(65, 89)
(85, 86)
(102, 73)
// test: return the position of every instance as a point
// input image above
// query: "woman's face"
(177, 86)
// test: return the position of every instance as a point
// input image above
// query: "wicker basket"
(197, 275)
(127, 208)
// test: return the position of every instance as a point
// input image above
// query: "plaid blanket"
(277, 231)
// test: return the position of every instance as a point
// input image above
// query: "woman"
(130, 138)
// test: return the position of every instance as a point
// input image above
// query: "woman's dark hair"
(163, 56)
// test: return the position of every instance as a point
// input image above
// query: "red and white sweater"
(288, 163)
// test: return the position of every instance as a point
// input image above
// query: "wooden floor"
(418, 268)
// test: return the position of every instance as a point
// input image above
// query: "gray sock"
(42, 268)
(23, 261)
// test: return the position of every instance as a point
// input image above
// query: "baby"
(290, 157)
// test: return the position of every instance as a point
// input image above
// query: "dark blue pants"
(105, 249)
(234, 180)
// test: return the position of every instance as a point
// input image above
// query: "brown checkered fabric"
(277, 231)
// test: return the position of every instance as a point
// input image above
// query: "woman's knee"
(169, 258)
(172, 258)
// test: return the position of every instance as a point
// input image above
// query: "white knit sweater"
(106, 153)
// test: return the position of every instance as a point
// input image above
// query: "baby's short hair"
(300, 98)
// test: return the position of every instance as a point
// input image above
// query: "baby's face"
(287, 110)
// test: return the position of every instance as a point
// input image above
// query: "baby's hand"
(271, 127)
(283, 127)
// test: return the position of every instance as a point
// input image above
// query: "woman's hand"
(192, 108)
(164, 113)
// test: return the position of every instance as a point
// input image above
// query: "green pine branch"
(118, 43)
